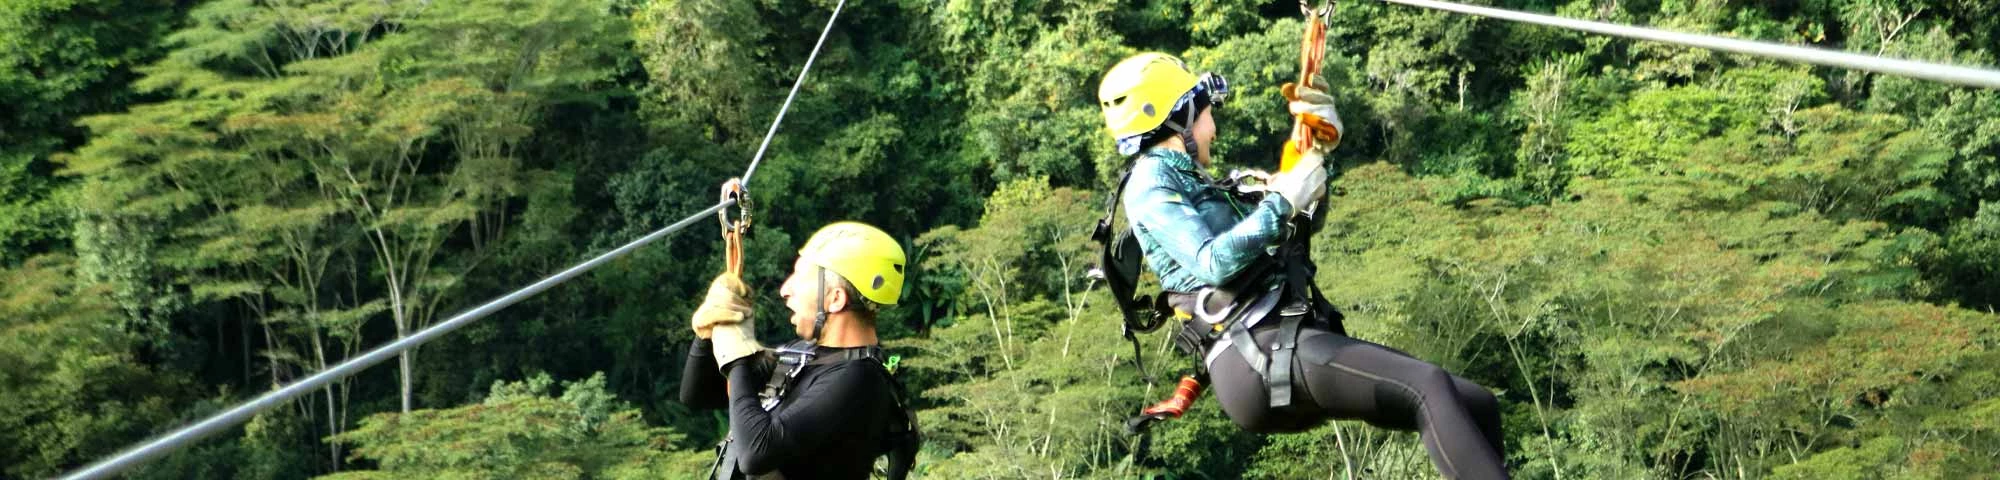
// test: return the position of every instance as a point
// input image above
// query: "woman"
(1235, 271)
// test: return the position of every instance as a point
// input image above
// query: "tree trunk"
(244, 332)
(332, 416)
(333, 426)
(403, 362)
(398, 307)
(404, 359)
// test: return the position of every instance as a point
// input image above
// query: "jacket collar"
(1176, 159)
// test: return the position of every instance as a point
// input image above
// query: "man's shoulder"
(864, 373)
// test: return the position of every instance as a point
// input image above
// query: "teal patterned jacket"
(1193, 233)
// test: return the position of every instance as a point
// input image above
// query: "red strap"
(1184, 395)
(1312, 49)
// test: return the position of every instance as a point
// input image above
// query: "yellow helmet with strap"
(1139, 94)
(863, 255)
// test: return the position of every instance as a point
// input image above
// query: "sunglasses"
(1212, 88)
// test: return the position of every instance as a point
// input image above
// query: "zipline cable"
(1975, 77)
(241, 413)
(759, 157)
(181, 438)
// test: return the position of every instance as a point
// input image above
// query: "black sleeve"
(810, 418)
(701, 382)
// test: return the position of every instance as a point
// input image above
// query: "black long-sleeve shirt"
(830, 424)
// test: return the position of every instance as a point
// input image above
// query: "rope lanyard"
(1312, 51)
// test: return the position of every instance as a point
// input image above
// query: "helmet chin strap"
(819, 318)
(1187, 132)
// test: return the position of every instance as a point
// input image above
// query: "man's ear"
(836, 299)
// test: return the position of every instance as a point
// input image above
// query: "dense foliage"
(1669, 263)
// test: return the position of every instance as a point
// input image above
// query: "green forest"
(1668, 263)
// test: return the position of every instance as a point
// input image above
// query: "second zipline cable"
(1968, 76)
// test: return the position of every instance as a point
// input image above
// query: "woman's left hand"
(1314, 107)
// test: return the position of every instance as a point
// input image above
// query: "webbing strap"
(1246, 345)
(1279, 381)
(793, 359)
(1275, 368)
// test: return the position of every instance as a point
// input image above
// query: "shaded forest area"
(1669, 263)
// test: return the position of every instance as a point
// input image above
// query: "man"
(822, 407)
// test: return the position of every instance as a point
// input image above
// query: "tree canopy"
(1668, 263)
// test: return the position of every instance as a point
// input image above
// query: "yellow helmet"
(864, 255)
(1140, 92)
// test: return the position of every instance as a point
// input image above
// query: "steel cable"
(182, 437)
(1974, 77)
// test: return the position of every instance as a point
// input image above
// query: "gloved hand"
(727, 303)
(1305, 183)
(725, 318)
(1315, 107)
(734, 341)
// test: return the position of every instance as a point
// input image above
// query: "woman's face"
(1204, 136)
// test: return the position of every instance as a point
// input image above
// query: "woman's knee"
(1475, 397)
(1411, 388)
(1428, 380)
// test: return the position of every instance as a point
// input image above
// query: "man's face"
(799, 297)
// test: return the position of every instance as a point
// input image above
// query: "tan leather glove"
(727, 303)
(725, 318)
(1304, 184)
(1315, 107)
(734, 341)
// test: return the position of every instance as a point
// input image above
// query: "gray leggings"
(1346, 378)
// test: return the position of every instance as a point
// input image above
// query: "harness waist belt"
(1223, 318)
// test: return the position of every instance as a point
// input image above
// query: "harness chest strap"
(794, 357)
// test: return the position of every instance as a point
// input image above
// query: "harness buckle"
(793, 358)
(1296, 309)
(1201, 308)
(1248, 181)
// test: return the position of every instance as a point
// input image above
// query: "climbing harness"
(900, 443)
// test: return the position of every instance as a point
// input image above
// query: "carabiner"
(733, 190)
(733, 231)
(1325, 10)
